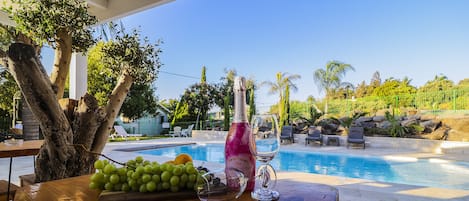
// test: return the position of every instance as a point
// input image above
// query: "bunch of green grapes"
(144, 176)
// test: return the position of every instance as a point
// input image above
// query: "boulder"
(384, 124)
(370, 124)
(364, 119)
(409, 122)
(430, 125)
(379, 118)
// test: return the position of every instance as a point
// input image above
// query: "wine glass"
(264, 145)
(213, 185)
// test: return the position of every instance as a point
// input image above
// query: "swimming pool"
(422, 172)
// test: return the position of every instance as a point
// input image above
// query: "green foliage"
(226, 112)
(203, 77)
(396, 129)
(48, 17)
(139, 102)
(101, 78)
(125, 56)
(348, 121)
(200, 98)
(314, 115)
(252, 104)
(8, 88)
(171, 105)
(283, 82)
(181, 113)
(330, 78)
(130, 55)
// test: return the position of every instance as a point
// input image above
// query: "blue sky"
(258, 38)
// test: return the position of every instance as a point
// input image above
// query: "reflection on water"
(419, 172)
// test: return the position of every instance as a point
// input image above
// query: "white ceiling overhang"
(105, 10)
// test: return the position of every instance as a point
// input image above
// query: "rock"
(416, 117)
(370, 124)
(408, 122)
(379, 118)
(430, 125)
(384, 124)
(364, 119)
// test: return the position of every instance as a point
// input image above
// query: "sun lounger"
(314, 134)
(287, 134)
(122, 133)
(356, 136)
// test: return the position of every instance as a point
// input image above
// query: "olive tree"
(74, 130)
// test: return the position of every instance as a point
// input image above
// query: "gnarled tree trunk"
(71, 128)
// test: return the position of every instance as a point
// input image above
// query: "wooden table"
(292, 186)
(28, 148)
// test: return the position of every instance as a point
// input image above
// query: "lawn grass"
(120, 139)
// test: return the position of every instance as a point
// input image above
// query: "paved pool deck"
(350, 189)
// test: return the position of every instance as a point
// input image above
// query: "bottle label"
(243, 162)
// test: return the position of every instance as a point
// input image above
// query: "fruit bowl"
(13, 142)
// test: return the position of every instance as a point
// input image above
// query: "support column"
(78, 75)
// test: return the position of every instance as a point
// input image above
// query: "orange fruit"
(182, 159)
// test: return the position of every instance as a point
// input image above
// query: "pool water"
(422, 172)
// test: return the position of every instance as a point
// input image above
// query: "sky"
(258, 38)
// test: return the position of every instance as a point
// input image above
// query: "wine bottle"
(237, 152)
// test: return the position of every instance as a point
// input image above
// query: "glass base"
(262, 194)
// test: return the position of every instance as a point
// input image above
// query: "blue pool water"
(423, 172)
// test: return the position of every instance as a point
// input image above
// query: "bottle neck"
(239, 115)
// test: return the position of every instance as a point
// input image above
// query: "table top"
(28, 148)
(292, 186)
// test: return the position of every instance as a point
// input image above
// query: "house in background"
(149, 125)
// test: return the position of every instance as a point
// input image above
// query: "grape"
(170, 167)
(166, 176)
(114, 179)
(117, 187)
(99, 164)
(125, 187)
(122, 171)
(132, 182)
(108, 186)
(146, 178)
(177, 171)
(129, 173)
(151, 186)
(155, 169)
(192, 178)
(163, 167)
(191, 170)
(139, 159)
(109, 169)
(159, 187)
(190, 185)
(156, 178)
(174, 189)
(184, 178)
(139, 175)
(147, 169)
(94, 185)
(143, 188)
(140, 170)
(174, 181)
(136, 175)
(98, 177)
(166, 185)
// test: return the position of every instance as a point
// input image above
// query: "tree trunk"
(63, 56)
(116, 99)
(37, 91)
(71, 128)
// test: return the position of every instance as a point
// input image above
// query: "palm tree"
(331, 78)
(280, 86)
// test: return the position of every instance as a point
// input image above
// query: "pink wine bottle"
(237, 152)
